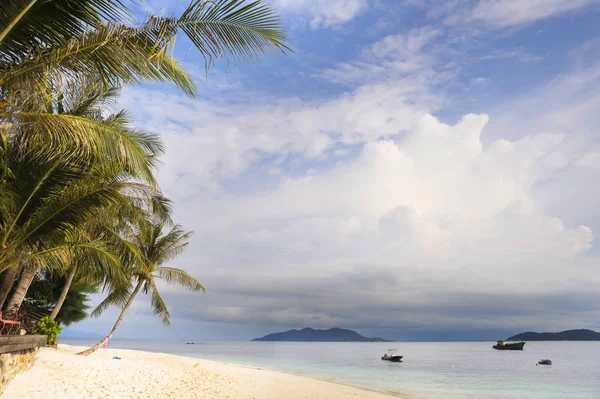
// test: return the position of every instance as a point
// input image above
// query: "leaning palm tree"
(157, 249)
(51, 226)
(109, 229)
(89, 266)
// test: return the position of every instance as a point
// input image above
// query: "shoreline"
(313, 377)
(141, 374)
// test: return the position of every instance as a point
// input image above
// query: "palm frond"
(162, 209)
(96, 256)
(60, 136)
(27, 23)
(116, 54)
(117, 297)
(159, 307)
(180, 277)
(58, 215)
(238, 29)
(170, 245)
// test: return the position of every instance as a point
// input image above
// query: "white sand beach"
(59, 373)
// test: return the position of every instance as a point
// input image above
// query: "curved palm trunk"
(26, 278)
(127, 305)
(64, 292)
(7, 278)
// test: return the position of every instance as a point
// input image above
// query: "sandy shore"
(59, 373)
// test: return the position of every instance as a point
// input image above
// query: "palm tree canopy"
(48, 48)
(78, 125)
(26, 24)
(91, 38)
(52, 202)
(157, 248)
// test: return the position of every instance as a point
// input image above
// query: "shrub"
(49, 327)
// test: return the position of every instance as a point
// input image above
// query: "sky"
(416, 169)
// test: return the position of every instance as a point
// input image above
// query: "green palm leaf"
(240, 29)
(117, 297)
(78, 137)
(180, 277)
(159, 307)
(117, 53)
(25, 24)
(170, 245)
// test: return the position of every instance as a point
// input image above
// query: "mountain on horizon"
(312, 335)
(568, 335)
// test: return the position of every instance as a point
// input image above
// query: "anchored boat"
(509, 346)
(391, 356)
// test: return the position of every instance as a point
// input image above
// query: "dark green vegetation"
(78, 196)
(569, 335)
(46, 288)
(311, 335)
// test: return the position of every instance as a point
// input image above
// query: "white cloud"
(518, 54)
(209, 143)
(479, 81)
(507, 13)
(324, 13)
(388, 196)
(479, 16)
(305, 210)
(413, 213)
(565, 104)
(392, 57)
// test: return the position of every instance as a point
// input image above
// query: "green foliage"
(49, 327)
(156, 248)
(45, 290)
(75, 178)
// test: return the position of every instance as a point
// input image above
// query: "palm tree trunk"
(127, 305)
(7, 279)
(26, 278)
(64, 292)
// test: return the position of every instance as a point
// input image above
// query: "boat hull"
(517, 346)
(394, 359)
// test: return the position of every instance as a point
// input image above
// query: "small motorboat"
(547, 362)
(509, 346)
(391, 356)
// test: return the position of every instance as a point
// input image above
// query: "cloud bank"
(364, 208)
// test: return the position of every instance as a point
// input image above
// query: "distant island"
(569, 335)
(311, 335)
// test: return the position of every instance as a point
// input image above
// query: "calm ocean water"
(430, 370)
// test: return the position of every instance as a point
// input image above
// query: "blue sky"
(415, 169)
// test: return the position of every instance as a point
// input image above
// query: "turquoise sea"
(429, 370)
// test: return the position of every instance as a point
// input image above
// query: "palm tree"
(49, 205)
(91, 268)
(49, 47)
(7, 279)
(157, 249)
(28, 273)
